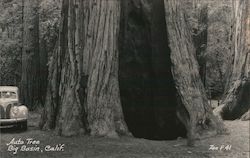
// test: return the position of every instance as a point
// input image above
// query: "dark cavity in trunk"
(148, 93)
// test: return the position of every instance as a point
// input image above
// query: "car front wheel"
(23, 126)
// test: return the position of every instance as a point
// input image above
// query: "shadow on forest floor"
(88, 147)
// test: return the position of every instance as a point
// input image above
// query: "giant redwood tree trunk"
(62, 108)
(83, 92)
(194, 110)
(30, 54)
(103, 105)
(237, 101)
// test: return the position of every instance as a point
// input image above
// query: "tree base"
(246, 116)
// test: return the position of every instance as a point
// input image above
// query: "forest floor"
(128, 147)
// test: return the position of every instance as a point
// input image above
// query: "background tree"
(11, 38)
(218, 53)
(10, 42)
(237, 101)
(210, 24)
(30, 54)
(49, 15)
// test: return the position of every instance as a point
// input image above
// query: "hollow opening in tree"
(148, 95)
(147, 88)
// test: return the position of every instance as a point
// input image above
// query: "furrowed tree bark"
(29, 85)
(63, 109)
(194, 110)
(105, 116)
(83, 92)
(237, 101)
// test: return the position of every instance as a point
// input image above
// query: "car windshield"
(8, 94)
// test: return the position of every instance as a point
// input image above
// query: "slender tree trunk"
(30, 54)
(194, 110)
(237, 101)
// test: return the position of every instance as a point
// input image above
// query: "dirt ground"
(234, 145)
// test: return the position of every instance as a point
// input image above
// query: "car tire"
(23, 126)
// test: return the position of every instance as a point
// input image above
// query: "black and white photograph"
(124, 78)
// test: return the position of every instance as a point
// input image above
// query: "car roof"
(8, 88)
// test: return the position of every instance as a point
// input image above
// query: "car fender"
(23, 111)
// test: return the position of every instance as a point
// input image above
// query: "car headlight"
(19, 112)
(14, 110)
